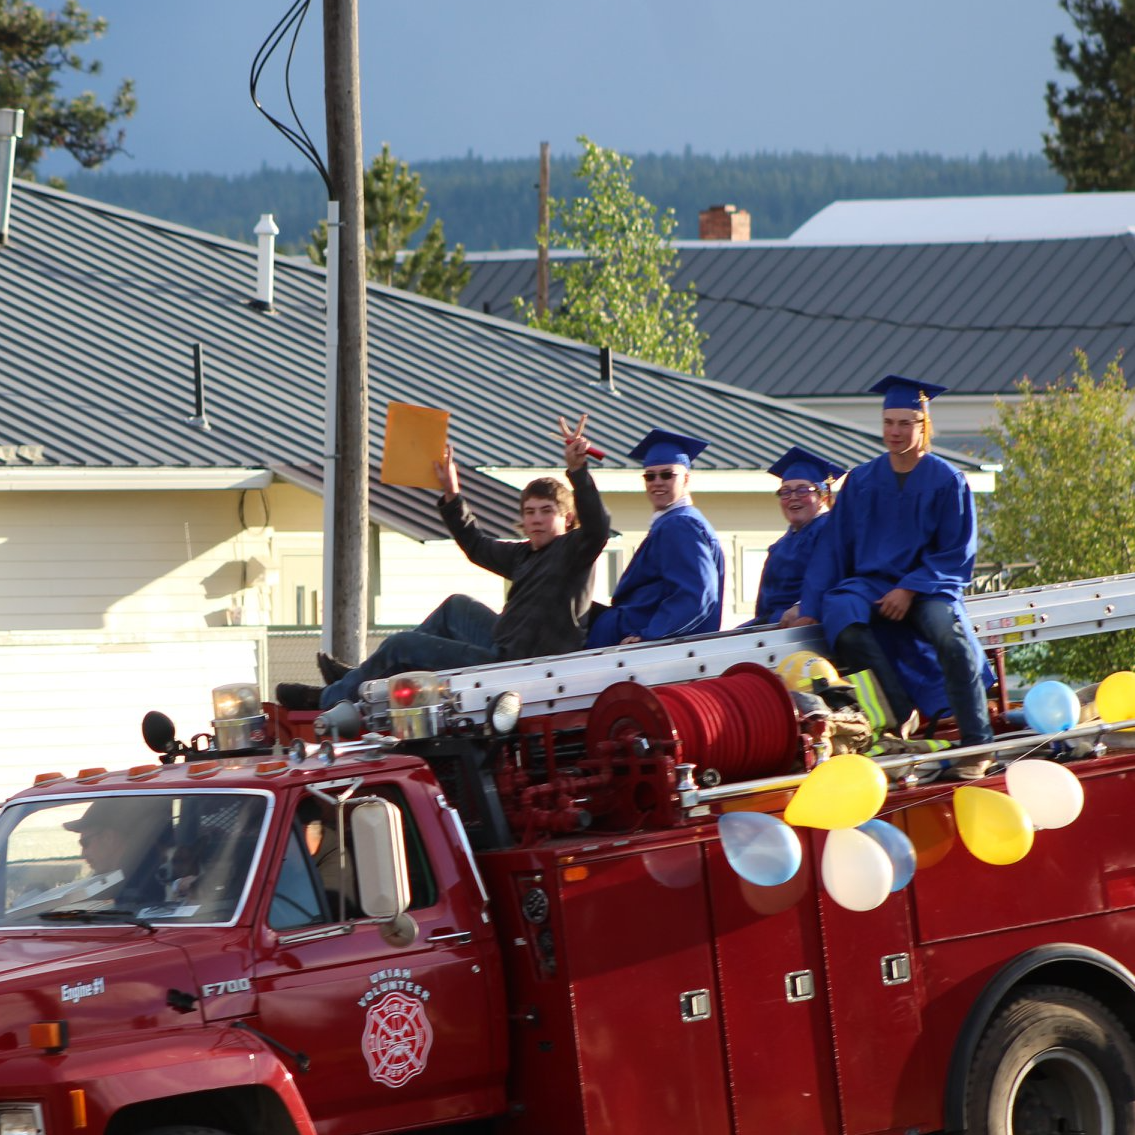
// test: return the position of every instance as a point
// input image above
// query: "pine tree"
(618, 294)
(36, 50)
(1093, 140)
(394, 209)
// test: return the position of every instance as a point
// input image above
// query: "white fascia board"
(704, 480)
(57, 480)
(630, 480)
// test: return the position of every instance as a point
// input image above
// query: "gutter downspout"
(11, 128)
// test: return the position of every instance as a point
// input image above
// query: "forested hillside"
(492, 204)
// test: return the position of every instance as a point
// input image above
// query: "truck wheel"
(1052, 1060)
(183, 1131)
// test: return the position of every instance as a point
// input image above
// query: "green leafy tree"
(1093, 140)
(36, 53)
(619, 294)
(394, 209)
(1066, 449)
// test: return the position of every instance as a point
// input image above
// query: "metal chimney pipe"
(200, 418)
(11, 128)
(266, 232)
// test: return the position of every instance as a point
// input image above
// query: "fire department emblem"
(396, 1039)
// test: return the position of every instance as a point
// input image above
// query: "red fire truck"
(506, 907)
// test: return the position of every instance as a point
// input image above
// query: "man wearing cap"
(673, 584)
(890, 567)
(114, 835)
(805, 496)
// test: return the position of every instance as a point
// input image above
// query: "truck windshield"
(152, 857)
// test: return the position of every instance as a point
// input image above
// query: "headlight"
(21, 1119)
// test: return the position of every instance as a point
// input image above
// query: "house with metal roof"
(974, 294)
(161, 460)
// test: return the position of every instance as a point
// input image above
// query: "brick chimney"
(724, 222)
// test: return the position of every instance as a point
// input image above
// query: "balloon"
(994, 827)
(1051, 794)
(842, 792)
(1115, 697)
(1051, 707)
(760, 848)
(856, 871)
(899, 849)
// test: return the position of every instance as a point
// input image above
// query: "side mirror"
(158, 731)
(380, 860)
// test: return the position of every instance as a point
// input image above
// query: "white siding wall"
(71, 701)
(130, 562)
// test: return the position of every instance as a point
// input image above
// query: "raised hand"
(447, 475)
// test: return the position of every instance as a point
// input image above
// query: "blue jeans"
(458, 633)
(935, 621)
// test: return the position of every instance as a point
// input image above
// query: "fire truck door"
(395, 1032)
(647, 1020)
(774, 1001)
(876, 994)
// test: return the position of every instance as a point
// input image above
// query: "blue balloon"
(1051, 707)
(761, 848)
(900, 851)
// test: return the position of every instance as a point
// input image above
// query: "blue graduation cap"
(905, 393)
(799, 464)
(662, 447)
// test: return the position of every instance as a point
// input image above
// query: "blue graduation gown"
(672, 586)
(782, 577)
(922, 537)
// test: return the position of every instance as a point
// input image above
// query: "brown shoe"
(970, 768)
(331, 668)
(295, 695)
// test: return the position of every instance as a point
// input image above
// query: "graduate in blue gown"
(805, 497)
(890, 568)
(674, 582)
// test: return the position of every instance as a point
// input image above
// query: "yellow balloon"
(1115, 697)
(994, 827)
(843, 792)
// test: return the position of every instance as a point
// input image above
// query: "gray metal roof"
(803, 321)
(100, 308)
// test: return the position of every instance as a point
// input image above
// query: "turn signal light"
(51, 1036)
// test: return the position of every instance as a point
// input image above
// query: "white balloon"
(1051, 794)
(857, 872)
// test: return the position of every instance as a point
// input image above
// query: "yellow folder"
(415, 439)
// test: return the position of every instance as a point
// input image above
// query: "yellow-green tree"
(1063, 502)
(618, 294)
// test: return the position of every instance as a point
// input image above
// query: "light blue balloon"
(1051, 707)
(900, 851)
(760, 848)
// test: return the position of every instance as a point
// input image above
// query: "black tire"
(1052, 1060)
(183, 1131)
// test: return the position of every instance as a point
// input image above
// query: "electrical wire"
(297, 135)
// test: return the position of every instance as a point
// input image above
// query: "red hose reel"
(742, 724)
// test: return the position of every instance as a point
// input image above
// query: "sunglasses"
(664, 475)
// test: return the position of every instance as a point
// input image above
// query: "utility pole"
(345, 604)
(542, 232)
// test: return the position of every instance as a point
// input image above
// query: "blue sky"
(441, 78)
